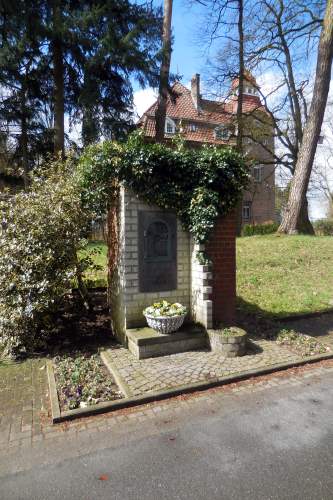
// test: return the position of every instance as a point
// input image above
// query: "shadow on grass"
(245, 307)
(262, 324)
(257, 322)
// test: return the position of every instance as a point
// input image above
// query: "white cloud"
(143, 99)
(270, 86)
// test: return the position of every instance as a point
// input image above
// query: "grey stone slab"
(174, 347)
(148, 336)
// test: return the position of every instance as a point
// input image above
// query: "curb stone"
(124, 387)
(150, 397)
(55, 407)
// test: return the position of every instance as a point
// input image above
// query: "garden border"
(55, 407)
(127, 402)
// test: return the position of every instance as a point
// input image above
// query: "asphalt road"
(273, 444)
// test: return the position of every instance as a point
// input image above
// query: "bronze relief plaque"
(157, 251)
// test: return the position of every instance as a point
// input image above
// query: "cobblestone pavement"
(163, 412)
(264, 438)
(24, 400)
(155, 374)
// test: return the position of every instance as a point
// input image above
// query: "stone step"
(147, 343)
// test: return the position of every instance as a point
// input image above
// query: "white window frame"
(193, 127)
(225, 136)
(258, 173)
(247, 210)
(170, 126)
(250, 90)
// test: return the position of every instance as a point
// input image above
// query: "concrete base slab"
(147, 343)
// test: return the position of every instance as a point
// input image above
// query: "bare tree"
(288, 32)
(292, 221)
(277, 37)
(160, 113)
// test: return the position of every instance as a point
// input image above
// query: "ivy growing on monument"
(198, 185)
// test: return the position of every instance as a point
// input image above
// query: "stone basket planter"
(230, 342)
(165, 324)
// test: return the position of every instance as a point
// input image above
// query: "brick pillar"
(221, 249)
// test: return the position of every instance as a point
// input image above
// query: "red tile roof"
(211, 114)
(248, 77)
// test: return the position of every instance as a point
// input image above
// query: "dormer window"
(222, 133)
(250, 90)
(193, 127)
(257, 173)
(170, 126)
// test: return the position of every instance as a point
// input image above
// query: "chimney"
(195, 91)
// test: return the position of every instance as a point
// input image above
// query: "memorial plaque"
(157, 251)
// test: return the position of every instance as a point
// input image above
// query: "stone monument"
(156, 260)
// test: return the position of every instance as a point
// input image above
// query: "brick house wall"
(261, 195)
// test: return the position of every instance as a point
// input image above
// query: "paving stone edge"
(127, 402)
(124, 387)
(55, 407)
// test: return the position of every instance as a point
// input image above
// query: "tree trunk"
(239, 112)
(160, 112)
(83, 290)
(113, 242)
(58, 80)
(304, 221)
(292, 220)
(89, 129)
(24, 136)
(90, 125)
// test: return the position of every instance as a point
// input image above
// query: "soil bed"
(83, 380)
(303, 345)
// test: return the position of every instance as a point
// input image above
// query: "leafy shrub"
(260, 229)
(41, 231)
(324, 227)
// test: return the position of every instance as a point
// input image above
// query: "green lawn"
(276, 275)
(98, 252)
(282, 275)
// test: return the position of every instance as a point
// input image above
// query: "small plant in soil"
(232, 331)
(82, 380)
(301, 344)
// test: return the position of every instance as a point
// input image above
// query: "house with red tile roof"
(201, 121)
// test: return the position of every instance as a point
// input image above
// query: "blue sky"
(186, 55)
(186, 58)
